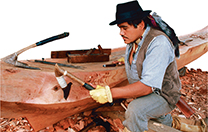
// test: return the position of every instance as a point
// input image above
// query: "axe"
(59, 73)
(12, 58)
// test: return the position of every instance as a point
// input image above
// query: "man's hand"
(101, 94)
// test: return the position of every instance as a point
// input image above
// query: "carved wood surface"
(36, 95)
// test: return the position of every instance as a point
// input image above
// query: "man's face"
(129, 33)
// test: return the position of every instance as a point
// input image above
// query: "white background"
(25, 22)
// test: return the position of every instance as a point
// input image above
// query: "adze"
(59, 73)
(12, 59)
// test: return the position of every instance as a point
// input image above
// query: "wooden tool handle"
(59, 71)
(43, 42)
(26, 48)
(87, 86)
(185, 108)
(63, 35)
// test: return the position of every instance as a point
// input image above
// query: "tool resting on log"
(12, 59)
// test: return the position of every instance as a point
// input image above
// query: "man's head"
(131, 32)
(130, 19)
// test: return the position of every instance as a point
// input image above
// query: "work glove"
(119, 61)
(101, 94)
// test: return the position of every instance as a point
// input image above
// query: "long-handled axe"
(12, 58)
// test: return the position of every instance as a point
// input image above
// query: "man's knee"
(135, 111)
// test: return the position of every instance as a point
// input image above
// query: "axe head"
(67, 90)
(58, 73)
(12, 60)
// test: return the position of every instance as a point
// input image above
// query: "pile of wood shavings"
(194, 92)
(14, 125)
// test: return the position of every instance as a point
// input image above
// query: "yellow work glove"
(121, 59)
(101, 94)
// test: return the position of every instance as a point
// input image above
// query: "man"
(150, 67)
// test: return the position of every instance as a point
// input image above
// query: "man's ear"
(141, 24)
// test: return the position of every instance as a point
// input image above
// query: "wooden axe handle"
(63, 35)
(58, 69)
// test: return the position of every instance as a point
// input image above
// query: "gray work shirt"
(160, 53)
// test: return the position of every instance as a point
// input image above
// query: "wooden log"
(36, 94)
(196, 47)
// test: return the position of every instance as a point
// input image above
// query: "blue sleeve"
(159, 55)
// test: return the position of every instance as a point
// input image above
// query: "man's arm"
(105, 94)
(136, 89)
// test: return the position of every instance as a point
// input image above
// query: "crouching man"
(150, 67)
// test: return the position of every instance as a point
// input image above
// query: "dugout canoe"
(36, 95)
